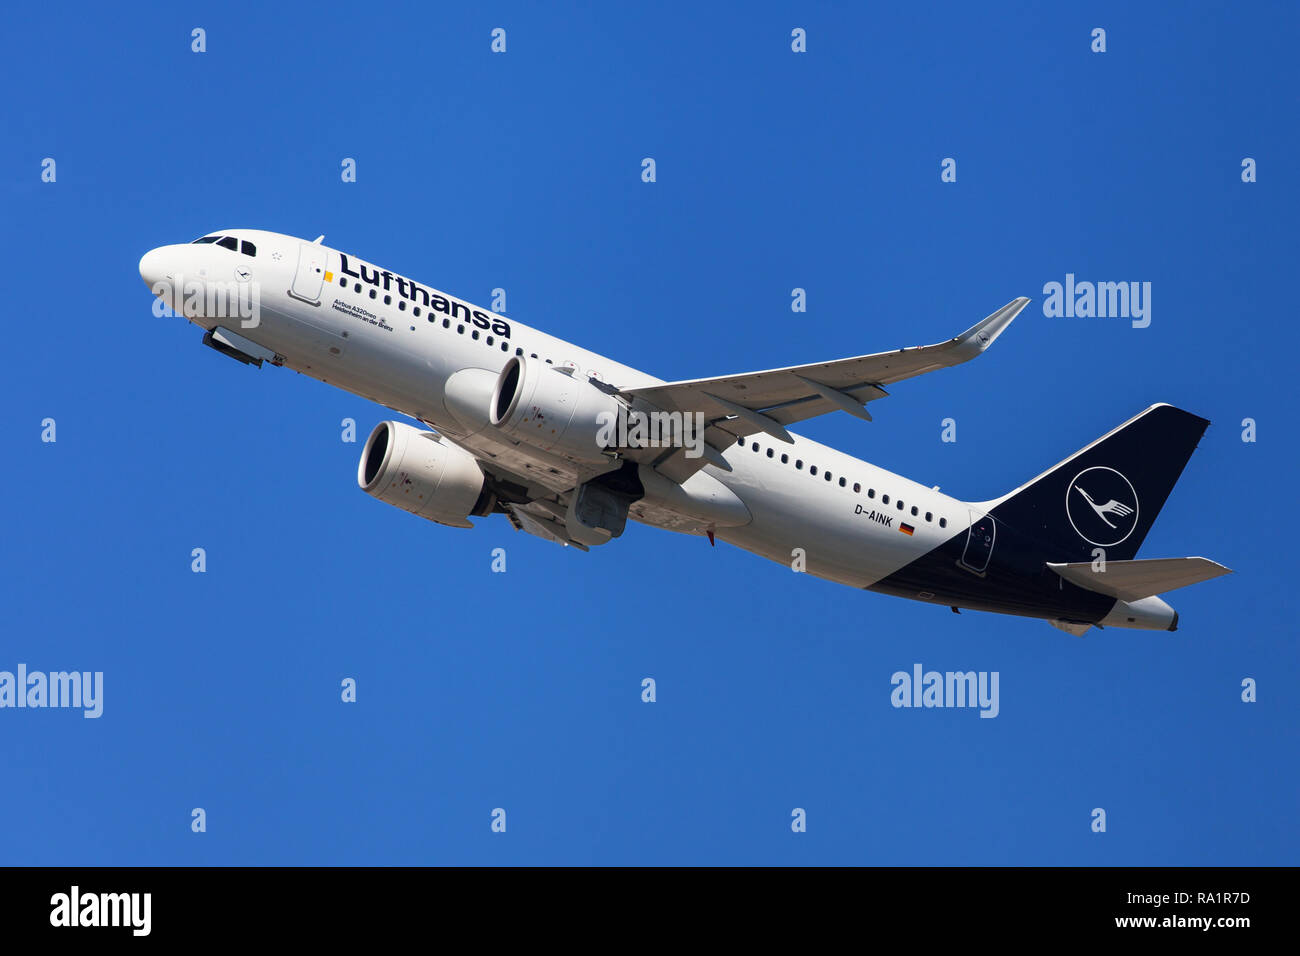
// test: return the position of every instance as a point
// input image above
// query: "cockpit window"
(229, 242)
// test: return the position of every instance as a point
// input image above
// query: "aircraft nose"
(152, 267)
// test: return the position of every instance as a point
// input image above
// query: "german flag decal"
(906, 528)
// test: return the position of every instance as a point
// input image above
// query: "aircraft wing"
(738, 405)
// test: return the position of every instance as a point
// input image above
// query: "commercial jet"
(568, 444)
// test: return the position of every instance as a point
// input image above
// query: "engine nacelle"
(424, 474)
(549, 409)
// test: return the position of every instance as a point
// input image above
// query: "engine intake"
(424, 474)
(551, 410)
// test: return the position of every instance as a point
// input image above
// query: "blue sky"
(521, 690)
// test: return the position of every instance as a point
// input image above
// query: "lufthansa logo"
(1102, 506)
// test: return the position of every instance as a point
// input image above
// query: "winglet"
(981, 335)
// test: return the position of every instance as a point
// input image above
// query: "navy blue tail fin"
(1107, 495)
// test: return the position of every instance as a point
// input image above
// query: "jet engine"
(425, 474)
(548, 408)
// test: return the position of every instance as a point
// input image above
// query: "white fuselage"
(339, 319)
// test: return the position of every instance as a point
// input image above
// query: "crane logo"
(1102, 506)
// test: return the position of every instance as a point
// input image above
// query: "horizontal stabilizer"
(1134, 580)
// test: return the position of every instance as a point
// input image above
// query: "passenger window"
(401, 305)
(900, 505)
(489, 340)
(247, 248)
(229, 242)
(343, 281)
(841, 481)
(505, 346)
(856, 488)
(474, 335)
(884, 499)
(798, 463)
(519, 351)
(416, 311)
(812, 470)
(929, 516)
(914, 511)
(388, 300)
(871, 492)
(828, 476)
(356, 287)
(785, 459)
(373, 293)
(770, 453)
(943, 522)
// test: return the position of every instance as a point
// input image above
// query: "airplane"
(513, 421)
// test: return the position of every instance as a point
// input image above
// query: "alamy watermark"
(1102, 300)
(209, 298)
(75, 908)
(84, 689)
(948, 689)
(636, 429)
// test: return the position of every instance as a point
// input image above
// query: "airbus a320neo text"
(568, 445)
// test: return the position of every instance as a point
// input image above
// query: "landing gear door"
(979, 543)
(310, 277)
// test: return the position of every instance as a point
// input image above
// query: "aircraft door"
(313, 336)
(310, 277)
(979, 542)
